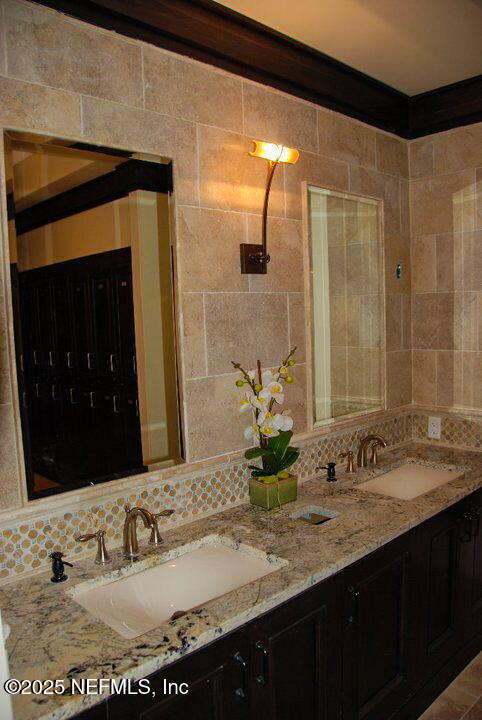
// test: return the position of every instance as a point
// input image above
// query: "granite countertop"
(53, 637)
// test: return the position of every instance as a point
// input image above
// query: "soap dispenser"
(331, 472)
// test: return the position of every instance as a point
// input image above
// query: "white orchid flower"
(282, 421)
(268, 430)
(251, 374)
(268, 377)
(252, 432)
(246, 402)
(265, 417)
(283, 371)
(276, 390)
(261, 400)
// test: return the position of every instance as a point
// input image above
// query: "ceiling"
(411, 45)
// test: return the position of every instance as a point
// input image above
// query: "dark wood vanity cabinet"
(378, 596)
(472, 566)
(295, 658)
(377, 641)
(217, 679)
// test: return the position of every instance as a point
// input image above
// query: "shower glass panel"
(347, 304)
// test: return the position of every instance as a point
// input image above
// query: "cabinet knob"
(240, 692)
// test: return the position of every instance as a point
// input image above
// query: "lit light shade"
(275, 153)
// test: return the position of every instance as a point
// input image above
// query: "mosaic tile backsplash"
(25, 546)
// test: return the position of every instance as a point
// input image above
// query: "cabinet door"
(472, 564)
(378, 664)
(98, 712)
(217, 687)
(440, 543)
(295, 659)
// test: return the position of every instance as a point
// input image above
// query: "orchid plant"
(271, 430)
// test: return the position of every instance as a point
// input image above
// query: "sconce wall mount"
(254, 257)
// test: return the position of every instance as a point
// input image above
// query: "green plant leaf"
(255, 452)
(279, 444)
(289, 459)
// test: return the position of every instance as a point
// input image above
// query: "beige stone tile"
(424, 376)
(363, 321)
(397, 252)
(297, 325)
(232, 180)
(446, 378)
(472, 260)
(43, 48)
(360, 222)
(208, 242)
(362, 269)
(450, 705)
(458, 149)
(421, 158)
(191, 91)
(433, 321)
(274, 117)
(443, 204)
(32, 107)
(337, 269)
(478, 193)
(399, 377)
(393, 314)
(9, 473)
(245, 327)
(472, 373)
(5, 383)
(479, 304)
(378, 185)
(194, 341)
(317, 170)
(338, 320)
(339, 371)
(215, 432)
(285, 269)
(424, 264)
(475, 712)
(335, 220)
(363, 373)
(2, 40)
(145, 131)
(466, 321)
(346, 139)
(392, 155)
(405, 207)
(470, 679)
(446, 269)
(406, 322)
(295, 399)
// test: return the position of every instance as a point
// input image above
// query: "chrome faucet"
(130, 544)
(365, 444)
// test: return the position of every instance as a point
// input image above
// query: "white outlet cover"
(434, 428)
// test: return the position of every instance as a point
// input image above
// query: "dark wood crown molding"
(125, 178)
(212, 33)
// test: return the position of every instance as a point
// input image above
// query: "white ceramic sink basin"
(188, 578)
(410, 479)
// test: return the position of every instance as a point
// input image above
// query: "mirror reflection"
(347, 304)
(92, 295)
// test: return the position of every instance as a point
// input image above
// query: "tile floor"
(462, 700)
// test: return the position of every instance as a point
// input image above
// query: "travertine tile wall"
(69, 79)
(446, 223)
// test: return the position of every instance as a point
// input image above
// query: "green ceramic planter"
(273, 495)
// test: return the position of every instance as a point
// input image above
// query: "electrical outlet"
(434, 428)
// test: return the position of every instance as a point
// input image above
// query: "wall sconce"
(255, 258)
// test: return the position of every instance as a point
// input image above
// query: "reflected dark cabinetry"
(79, 368)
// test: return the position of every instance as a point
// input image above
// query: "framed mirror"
(347, 300)
(93, 307)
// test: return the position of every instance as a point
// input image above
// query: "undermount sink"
(411, 479)
(147, 596)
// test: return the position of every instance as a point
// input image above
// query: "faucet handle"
(102, 557)
(350, 465)
(156, 538)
